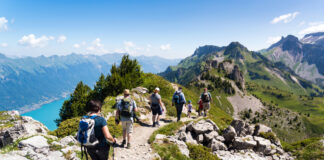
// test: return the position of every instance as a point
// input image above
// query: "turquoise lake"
(47, 113)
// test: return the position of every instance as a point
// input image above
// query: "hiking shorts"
(156, 111)
(206, 105)
(127, 126)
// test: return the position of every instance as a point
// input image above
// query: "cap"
(157, 89)
(126, 91)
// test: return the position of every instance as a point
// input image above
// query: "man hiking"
(178, 100)
(157, 107)
(126, 108)
(206, 99)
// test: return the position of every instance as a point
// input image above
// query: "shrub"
(115, 130)
(67, 127)
(169, 151)
(269, 135)
(201, 152)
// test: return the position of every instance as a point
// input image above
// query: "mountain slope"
(259, 90)
(26, 82)
(305, 57)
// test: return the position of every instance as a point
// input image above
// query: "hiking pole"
(113, 154)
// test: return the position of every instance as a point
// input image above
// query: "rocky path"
(140, 148)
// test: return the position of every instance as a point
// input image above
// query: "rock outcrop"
(15, 126)
(238, 140)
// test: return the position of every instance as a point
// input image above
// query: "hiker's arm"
(107, 134)
(161, 104)
(135, 107)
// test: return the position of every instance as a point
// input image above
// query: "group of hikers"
(94, 135)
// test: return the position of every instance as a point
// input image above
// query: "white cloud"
(76, 45)
(165, 47)
(4, 44)
(286, 18)
(128, 44)
(314, 27)
(272, 40)
(3, 24)
(61, 39)
(302, 23)
(96, 46)
(32, 41)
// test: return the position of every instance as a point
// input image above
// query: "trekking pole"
(113, 154)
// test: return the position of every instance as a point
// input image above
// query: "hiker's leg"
(93, 153)
(103, 153)
(153, 118)
(179, 111)
(124, 125)
(129, 131)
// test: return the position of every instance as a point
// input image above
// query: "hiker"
(201, 107)
(189, 108)
(178, 100)
(206, 99)
(126, 108)
(99, 149)
(157, 107)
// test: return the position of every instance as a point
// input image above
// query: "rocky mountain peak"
(202, 50)
(314, 38)
(235, 50)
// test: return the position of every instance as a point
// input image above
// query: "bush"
(269, 135)
(311, 148)
(201, 152)
(115, 130)
(67, 127)
(169, 151)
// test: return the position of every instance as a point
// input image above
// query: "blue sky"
(168, 28)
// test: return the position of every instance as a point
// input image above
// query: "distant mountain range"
(27, 82)
(305, 56)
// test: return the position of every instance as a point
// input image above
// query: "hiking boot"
(128, 145)
(123, 143)
(158, 124)
(153, 124)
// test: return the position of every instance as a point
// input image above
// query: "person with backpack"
(178, 100)
(201, 107)
(93, 133)
(126, 109)
(157, 107)
(189, 109)
(206, 98)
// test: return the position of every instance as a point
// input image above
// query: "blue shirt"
(120, 107)
(100, 122)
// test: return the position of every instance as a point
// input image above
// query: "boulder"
(55, 155)
(211, 135)
(190, 139)
(183, 148)
(246, 142)
(263, 145)
(182, 136)
(261, 128)
(140, 90)
(36, 142)
(214, 124)
(217, 145)
(202, 127)
(242, 128)
(200, 138)
(229, 134)
(220, 138)
(190, 126)
(68, 140)
(12, 157)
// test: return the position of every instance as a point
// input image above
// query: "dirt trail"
(140, 148)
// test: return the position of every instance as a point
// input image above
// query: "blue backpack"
(177, 99)
(86, 133)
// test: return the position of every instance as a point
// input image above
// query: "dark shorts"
(98, 153)
(156, 111)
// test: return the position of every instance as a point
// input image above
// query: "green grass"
(108, 104)
(115, 130)
(169, 151)
(200, 152)
(13, 146)
(168, 130)
(4, 120)
(310, 148)
(311, 109)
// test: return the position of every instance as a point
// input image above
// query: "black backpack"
(205, 97)
(126, 109)
(155, 105)
(177, 98)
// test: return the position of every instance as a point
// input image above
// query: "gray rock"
(200, 138)
(214, 124)
(56, 155)
(220, 138)
(190, 139)
(35, 142)
(241, 143)
(12, 157)
(261, 128)
(182, 136)
(190, 126)
(229, 134)
(68, 140)
(242, 128)
(217, 145)
(202, 127)
(183, 148)
(263, 145)
(211, 135)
